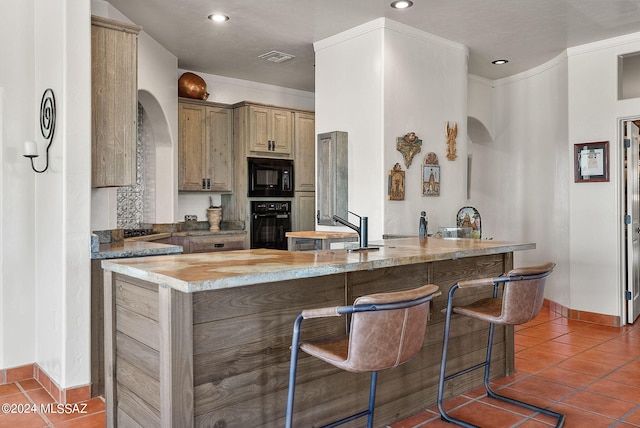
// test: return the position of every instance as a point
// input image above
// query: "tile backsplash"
(130, 199)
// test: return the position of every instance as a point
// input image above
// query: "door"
(632, 220)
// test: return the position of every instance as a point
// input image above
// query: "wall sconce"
(47, 128)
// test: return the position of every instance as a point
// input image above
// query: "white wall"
(44, 248)
(519, 180)
(63, 52)
(377, 82)
(595, 224)
(425, 87)
(18, 109)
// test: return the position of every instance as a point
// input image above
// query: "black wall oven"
(270, 221)
(270, 177)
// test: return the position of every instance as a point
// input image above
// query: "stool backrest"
(523, 294)
(383, 339)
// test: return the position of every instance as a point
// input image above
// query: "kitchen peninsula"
(204, 339)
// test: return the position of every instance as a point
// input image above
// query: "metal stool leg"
(372, 398)
(295, 342)
(443, 365)
(487, 372)
(492, 394)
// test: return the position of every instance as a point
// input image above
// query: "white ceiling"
(526, 32)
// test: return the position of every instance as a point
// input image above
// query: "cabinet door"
(281, 131)
(305, 153)
(220, 144)
(259, 129)
(332, 177)
(192, 147)
(270, 130)
(114, 103)
(305, 211)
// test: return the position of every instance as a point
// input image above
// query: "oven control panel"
(258, 207)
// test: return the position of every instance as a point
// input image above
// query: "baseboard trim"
(574, 314)
(72, 395)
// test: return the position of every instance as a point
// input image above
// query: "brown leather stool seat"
(520, 301)
(387, 329)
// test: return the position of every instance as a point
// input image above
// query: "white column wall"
(62, 219)
(18, 102)
(425, 86)
(377, 82)
(349, 98)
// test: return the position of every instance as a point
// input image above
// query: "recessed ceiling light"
(218, 17)
(499, 61)
(401, 4)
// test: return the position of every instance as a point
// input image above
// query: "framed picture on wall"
(591, 162)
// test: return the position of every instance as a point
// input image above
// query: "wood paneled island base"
(204, 339)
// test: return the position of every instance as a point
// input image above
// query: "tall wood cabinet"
(294, 134)
(114, 102)
(205, 147)
(305, 171)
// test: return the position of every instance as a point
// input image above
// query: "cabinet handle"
(218, 245)
(273, 145)
(204, 183)
(208, 184)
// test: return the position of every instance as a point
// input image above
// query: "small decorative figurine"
(452, 133)
(423, 225)
(409, 146)
(431, 175)
(395, 186)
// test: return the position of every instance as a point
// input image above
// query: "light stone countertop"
(133, 248)
(209, 271)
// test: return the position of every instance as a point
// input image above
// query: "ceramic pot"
(214, 215)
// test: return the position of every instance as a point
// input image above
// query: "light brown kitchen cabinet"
(205, 147)
(270, 130)
(114, 102)
(305, 151)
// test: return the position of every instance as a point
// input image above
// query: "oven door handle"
(264, 215)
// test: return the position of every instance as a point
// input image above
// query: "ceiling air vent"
(275, 56)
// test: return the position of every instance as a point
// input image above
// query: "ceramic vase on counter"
(214, 215)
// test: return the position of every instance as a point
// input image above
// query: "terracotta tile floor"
(589, 372)
(24, 405)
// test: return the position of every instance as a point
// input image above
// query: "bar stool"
(521, 301)
(387, 329)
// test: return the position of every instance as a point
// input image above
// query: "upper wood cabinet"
(305, 152)
(270, 130)
(205, 161)
(114, 102)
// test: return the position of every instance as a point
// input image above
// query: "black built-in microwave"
(270, 177)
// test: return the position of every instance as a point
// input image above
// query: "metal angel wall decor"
(409, 146)
(452, 133)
